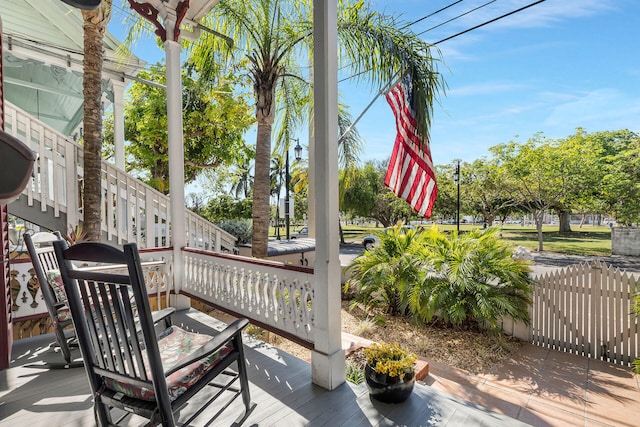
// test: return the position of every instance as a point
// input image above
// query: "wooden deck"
(280, 387)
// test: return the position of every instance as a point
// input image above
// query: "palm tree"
(470, 279)
(95, 24)
(275, 34)
(381, 276)
(276, 182)
(242, 185)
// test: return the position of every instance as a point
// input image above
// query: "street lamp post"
(456, 179)
(298, 152)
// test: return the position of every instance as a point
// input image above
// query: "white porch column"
(176, 158)
(118, 123)
(327, 358)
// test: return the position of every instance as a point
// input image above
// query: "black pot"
(389, 389)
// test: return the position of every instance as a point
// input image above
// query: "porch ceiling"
(43, 45)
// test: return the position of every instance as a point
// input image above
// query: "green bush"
(463, 280)
(470, 278)
(379, 275)
(354, 373)
(240, 228)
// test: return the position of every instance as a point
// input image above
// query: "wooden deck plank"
(280, 386)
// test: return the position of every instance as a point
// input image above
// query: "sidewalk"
(544, 387)
(541, 387)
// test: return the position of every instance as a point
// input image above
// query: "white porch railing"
(268, 293)
(132, 211)
(28, 302)
(271, 294)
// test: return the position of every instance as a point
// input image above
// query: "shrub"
(379, 275)
(354, 373)
(470, 279)
(239, 228)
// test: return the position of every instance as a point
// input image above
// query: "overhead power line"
(431, 14)
(490, 21)
(456, 17)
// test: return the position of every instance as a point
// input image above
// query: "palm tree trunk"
(264, 87)
(260, 236)
(95, 23)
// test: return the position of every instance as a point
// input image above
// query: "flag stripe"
(410, 174)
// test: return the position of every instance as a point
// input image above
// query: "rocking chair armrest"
(213, 345)
(164, 314)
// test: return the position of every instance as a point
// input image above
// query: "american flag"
(410, 175)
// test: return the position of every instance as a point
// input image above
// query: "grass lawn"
(588, 240)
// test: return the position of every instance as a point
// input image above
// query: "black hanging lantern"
(298, 150)
(83, 4)
(16, 165)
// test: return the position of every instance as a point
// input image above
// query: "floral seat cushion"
(175, 345)
(55, 282)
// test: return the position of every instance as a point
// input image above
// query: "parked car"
(371, 240)
(303, 232)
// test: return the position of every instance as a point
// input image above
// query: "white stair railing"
(131, 210)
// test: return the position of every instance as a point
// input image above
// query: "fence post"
(595, 315)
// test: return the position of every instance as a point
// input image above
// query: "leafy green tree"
(469, 279)
(275, 34)
(620, 187)
(485, 190)
(226, 207)
(215, 121)
(445, 205)
(239, 228)
(360, 187)
(541, 172)
(585, 156)
(366, 196)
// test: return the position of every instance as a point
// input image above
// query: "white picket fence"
(132, 211)
(585, 309)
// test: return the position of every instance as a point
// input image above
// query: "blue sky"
(556, 66)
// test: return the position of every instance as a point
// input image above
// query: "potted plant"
(389, 372)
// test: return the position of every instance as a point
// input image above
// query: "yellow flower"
(390, 359)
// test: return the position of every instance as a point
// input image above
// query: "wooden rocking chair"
(40, 248)
(140, 372)
(45, 264)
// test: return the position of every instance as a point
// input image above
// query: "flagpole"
(394, 81)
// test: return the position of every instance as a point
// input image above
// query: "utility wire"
(489, 22)
(431, 14)
(456, 17)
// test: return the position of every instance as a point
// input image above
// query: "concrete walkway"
(544, 387)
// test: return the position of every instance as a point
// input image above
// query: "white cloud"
(598, 110)
(485, 88)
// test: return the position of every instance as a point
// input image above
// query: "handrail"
(271, 294)
(132, 210)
